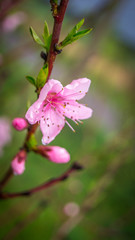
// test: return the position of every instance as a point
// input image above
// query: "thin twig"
(50, 183)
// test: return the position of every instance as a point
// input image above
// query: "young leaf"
(81, 34)
(35, 37)
(74, 37)
(75, 28)
(48, 43)
(31, 80)
(42, 76)
(47, 38)
(46, 31)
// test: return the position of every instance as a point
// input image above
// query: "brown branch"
(58, 19)
(50, 183)
(6, 178)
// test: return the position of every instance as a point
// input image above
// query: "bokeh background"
(98, 202)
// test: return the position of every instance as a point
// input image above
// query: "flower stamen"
(69, 125)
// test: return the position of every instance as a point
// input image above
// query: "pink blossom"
(11, 22)
(18, 163)
(54, 153)
(19, 124)
(56, 102)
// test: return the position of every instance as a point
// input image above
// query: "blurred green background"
(98, 202)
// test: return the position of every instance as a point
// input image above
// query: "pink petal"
(34, 112)
(51, 125)
(51, 86)
(76, 111)
(76, 89)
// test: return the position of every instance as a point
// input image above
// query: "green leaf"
(47, 37)
(73, 38)
(42, 76)
(81, 34)
(73, 35)
(31, 80)
(35, 37)
(46, 31)
(32, 142)
(48, 43)
(75, 29)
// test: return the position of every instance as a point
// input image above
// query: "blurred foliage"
(104, 190)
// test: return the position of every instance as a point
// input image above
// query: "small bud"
(18, 163)
(19, 124)
(54, 153)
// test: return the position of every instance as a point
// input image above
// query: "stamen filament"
(74, 94)
(79, 121)
(70, 126)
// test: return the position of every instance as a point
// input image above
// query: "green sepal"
(31, 80)
(36, 37)
(32, 142)
(42, 76)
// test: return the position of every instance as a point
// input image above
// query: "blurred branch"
(50, 183)
(6, 178)
(94, 197)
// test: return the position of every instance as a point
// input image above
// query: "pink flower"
(18, 163)
(54, 153)
(56, 102)
(19, 124)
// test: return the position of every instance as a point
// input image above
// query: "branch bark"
(50, 183)
(58, 20)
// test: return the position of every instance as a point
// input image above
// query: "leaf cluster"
(74, 35)
(46, 37)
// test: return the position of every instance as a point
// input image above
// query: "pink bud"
(54, 153)
(19, 124)
(18, 163)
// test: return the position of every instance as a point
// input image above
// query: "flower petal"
(76, 111)
(76, 89)
(51, 86)
(51, 125)
(34, 112)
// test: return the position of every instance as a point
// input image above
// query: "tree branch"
(58, 19)
(50, 183)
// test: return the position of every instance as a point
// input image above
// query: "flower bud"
(18, 163)
(19, 124)
(54, 153)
